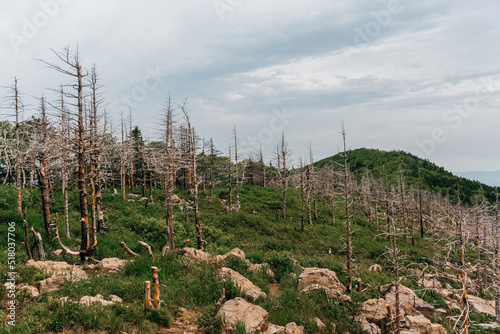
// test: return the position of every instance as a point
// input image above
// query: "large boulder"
(408, 299)
(247, 287)
(421, 324)
(235, 253)
(374, 310)
(238, 310)
(366, 326)
(292, 328)
(99, 299)
(430, 282)
(479, 305)
(190, 254)
(274, 329)
(52, 283)
(112, 264)
(320, 278)
(59, 268)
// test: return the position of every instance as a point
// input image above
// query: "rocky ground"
(416, 315)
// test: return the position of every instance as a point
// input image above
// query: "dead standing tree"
(74, 70)
(169, 159)
(194, 181)
(282, 161)
(348, 203)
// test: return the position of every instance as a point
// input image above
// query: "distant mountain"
(491, 178)
(386, 165)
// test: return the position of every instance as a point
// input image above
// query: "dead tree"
(74, 70)
(302, 191)
(42, 156)
(191, 138)
(282, 160)
(169, 157)
(236, 176)
(347, 202)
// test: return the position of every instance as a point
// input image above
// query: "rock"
(115, 299)
(30, 289)
(366, 326)
(52, 283)
(319, 323)
(236, 252)
(274, 329)
(430, 282)
(423, 325)
(247, 287)
(57, 252)
(99, 299)
(292, 328)
(375, 268)
(175, 199)
(112, 264)
(479, 305)
(190, 254)
(238, 310)
(375, 310)
(408, 299)
(320, 278)
(261, 267)
(59, 268)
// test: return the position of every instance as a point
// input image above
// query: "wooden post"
(147, 295)
(359, 285)
(156, 288)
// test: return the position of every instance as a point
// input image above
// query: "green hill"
(386, 165)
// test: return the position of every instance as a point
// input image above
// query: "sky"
(419, 76)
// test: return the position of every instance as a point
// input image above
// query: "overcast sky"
(419, 76)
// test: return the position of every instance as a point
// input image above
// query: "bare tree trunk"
(169, 177)
(308, 194)
(42, 170)
(403, 206)
(420, 209)
(197, 222)
(347, 199)
(237, 181)
(17, 153)
(26, 236)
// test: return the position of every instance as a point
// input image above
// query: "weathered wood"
(147, 295)
(156, 288)
(128, 250)
(58, 238)
(147, 248)
(26, 236)
(38, 244)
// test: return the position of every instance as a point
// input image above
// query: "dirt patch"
(184, 324)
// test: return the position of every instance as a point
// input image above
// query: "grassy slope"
(262, 236)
